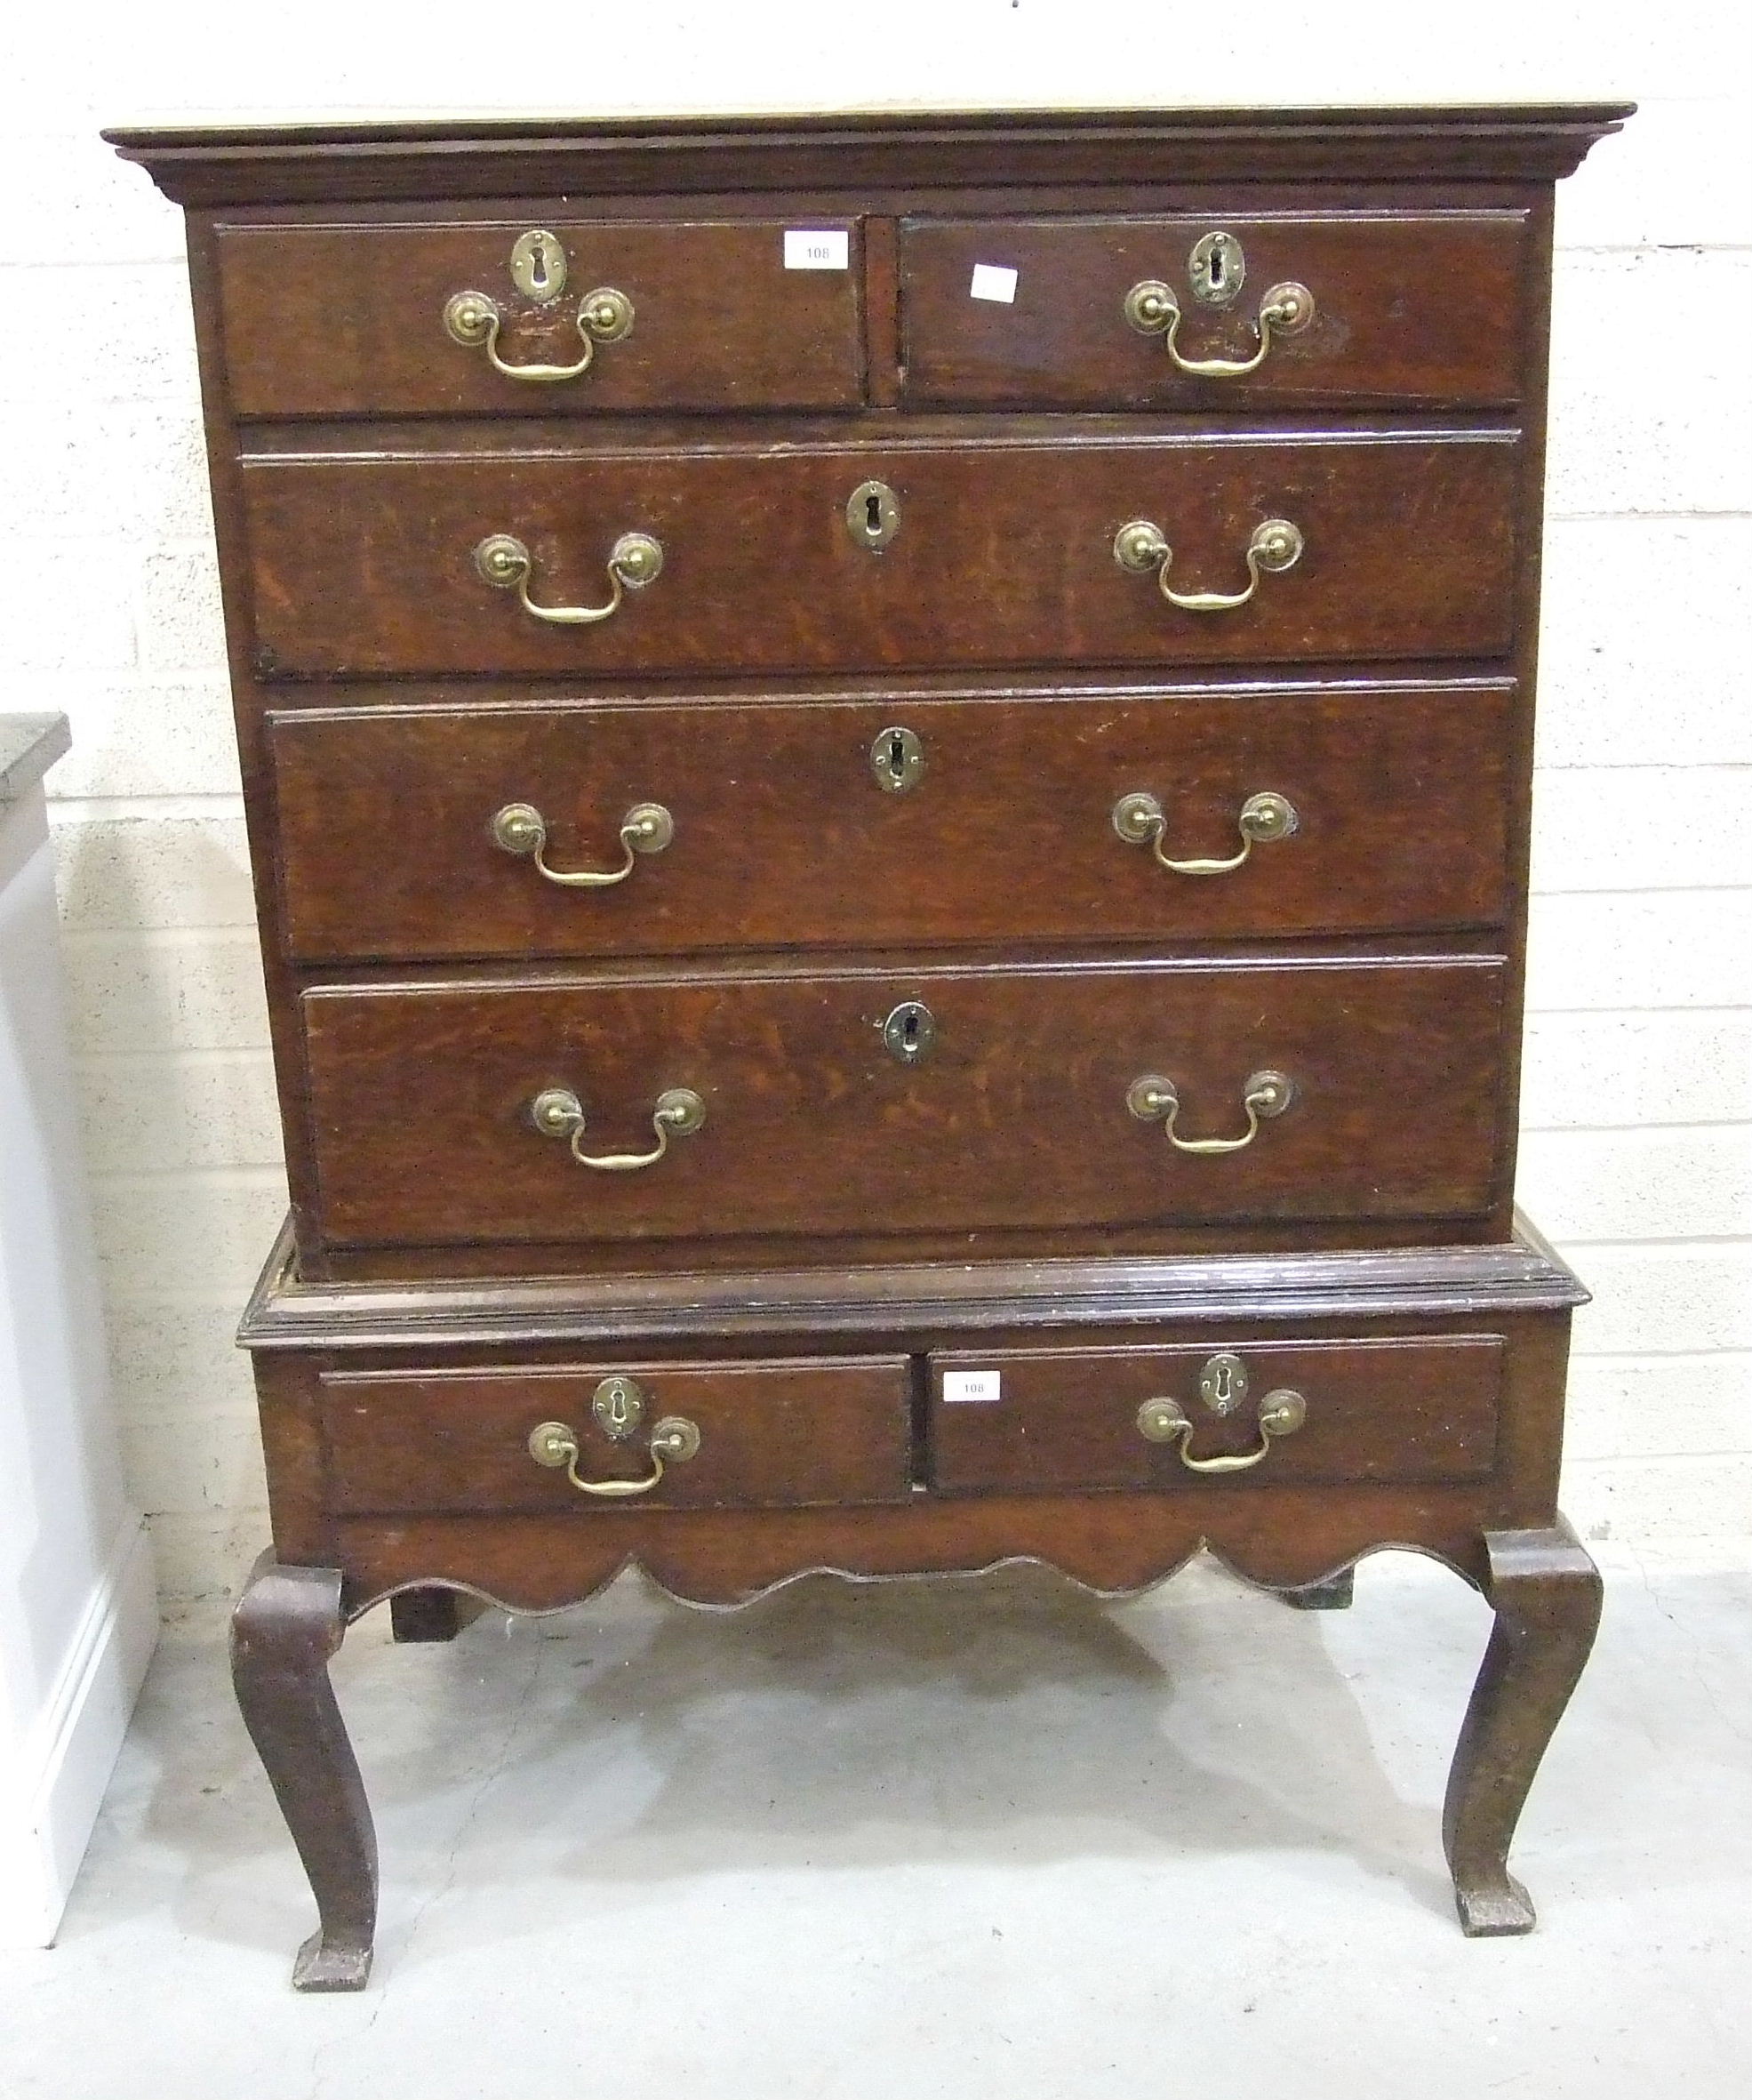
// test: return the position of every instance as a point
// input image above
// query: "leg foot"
(1546, 1595)
(432, 1613)
(1333, 1595)
(287, 1624)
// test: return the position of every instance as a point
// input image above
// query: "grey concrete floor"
(969, 1839)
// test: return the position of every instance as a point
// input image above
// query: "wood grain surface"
(784, 837)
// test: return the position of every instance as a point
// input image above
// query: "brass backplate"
(1222, 1383)
(897, 759)
(873, 514)
(1217, 268)
(618, 1405)
(538, 265)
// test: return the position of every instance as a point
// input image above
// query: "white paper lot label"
(830, 250)
(993, 281)
(961, 1386)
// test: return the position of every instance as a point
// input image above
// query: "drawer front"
(1018, 1108)
(1403, 1410)
(351, 320)
(800, 824)
(1004, 553)
(1415, 309)
(769, 1434)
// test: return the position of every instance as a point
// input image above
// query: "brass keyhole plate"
(873, 514)
(1222, 1383)
(1217, 268)
(618, 1405)
(538, 265)
(897, 759)
(908, 1032)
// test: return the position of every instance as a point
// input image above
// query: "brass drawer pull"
(1281, 1414)
(604, 316)
(674, 1440)
(1139, 821)
(557, 1112)
(1275, 545)
(1153, 309)
(634, 560)
(1156, 1100)
(521, 828)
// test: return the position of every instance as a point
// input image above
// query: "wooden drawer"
(787, 834)
(1408, 309)
(351, 320)
(1401, 1410)
(1004, 554)
(770, 1435)
(1016, 1114)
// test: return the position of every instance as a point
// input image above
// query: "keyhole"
(909, 1035)
(873, 515)
(1216, 268)
(897, 757)
(1222, 1387)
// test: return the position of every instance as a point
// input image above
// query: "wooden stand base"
(1433, 1411)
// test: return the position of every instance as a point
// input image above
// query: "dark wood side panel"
(784, 838)
(1410, 309)
(349, 320)
(822, 1431)
(1400, 1410)
(365, 566)
(1016, 1116)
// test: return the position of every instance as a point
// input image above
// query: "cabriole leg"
(1546, 1595)
(287, 1624)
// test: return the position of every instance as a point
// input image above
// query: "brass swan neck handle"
(634, 560)
(1152, 309)
(1139, 821)
(521, 828)
(1274, 546)
(1153, 1099)
(473, 319)
(557, 1112)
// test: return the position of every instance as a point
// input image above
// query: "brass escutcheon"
(909, 1032)
(897, 759)
(538, 265)
(1222, 1383)
(1216, 268)
(618, 1405)
(873, 514)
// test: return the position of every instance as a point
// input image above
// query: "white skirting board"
(50, 1800)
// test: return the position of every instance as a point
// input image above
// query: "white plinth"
(78, 1612)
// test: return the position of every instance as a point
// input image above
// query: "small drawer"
(1167, 547)
(363, 320)
(742, 1436)
(706, 824)
(1230, 1411)
(1408, 310)
(707, 1098)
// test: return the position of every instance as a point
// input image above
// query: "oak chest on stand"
(888, 766)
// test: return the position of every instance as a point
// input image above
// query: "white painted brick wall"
(1638, 1099)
